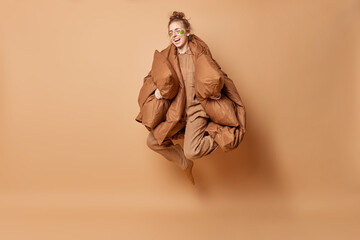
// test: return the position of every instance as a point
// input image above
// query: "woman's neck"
(184, 48)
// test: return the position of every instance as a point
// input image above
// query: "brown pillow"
(228, 138)
(164, 76)
(208, 78)
(154, 111)
(221, 111)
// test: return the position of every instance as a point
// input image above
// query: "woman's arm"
(158, 94)
(216, 97)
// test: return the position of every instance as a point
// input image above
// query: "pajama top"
(193, 107)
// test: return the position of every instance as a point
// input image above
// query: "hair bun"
(177, 15)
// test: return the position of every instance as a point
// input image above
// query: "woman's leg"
(171, 152)
(196, 143)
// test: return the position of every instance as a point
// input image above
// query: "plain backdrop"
(74, 162)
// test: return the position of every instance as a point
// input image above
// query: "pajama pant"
(196, 144)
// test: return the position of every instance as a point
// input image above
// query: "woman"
(180, 92)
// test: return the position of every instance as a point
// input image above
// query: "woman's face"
(178, 34)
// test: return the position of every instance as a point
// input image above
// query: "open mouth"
(177, 40)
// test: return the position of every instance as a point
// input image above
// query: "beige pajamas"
(196, 143)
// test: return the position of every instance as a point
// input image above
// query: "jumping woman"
(187, 95)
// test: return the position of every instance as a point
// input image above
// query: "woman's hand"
(158, 94)
(216, 97)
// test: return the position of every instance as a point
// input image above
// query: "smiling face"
(178, 34)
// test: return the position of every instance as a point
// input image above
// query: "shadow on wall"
(249, 168)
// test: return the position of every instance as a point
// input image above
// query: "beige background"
(74, 163)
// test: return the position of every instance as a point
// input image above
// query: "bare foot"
(188, 172)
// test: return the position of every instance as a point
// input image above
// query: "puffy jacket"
(166, 117)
